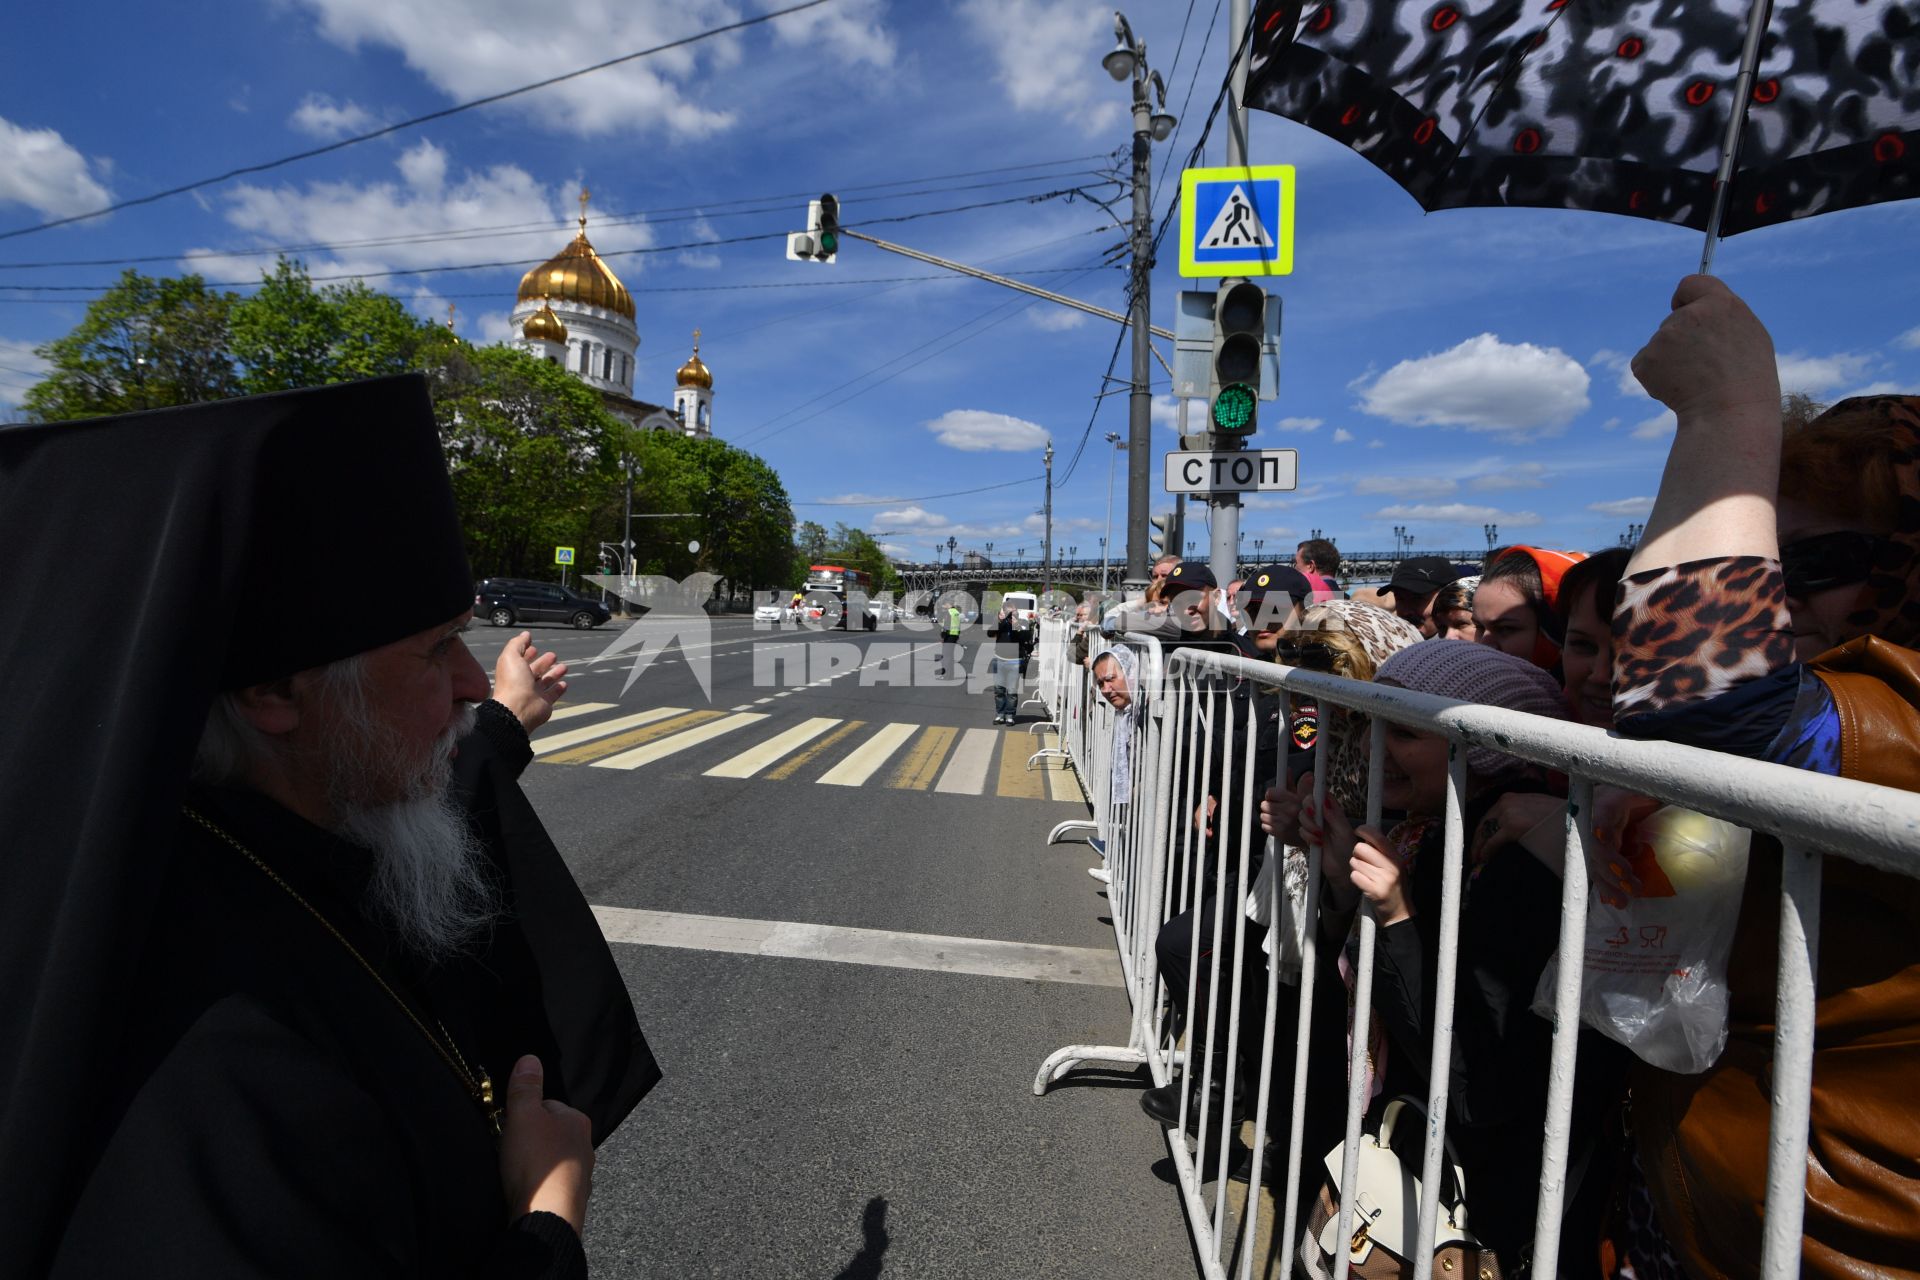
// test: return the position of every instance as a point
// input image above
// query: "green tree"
(857, 549)
(290, 334)
(146, 343)
(810, 543)
(1797, 409)
(532, 454)
(733, 503)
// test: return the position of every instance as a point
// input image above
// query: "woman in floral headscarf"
(1781, 628)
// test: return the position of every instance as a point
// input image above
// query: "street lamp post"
(1259, 545)
(1119, 445)
(1493, 534)
(1128, 62)
(1399, 541)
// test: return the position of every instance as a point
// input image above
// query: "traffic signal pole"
(1224, 554)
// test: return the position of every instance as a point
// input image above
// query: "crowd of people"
(1772, 611)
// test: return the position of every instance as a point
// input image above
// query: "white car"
(770, 612)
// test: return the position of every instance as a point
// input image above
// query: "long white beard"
(430, 886)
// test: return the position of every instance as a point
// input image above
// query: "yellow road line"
(606, 728)
(793, 766)
(922, 765)
(1062, 782)
(754, 759)
(679, 742)
(867, 758)
(632, 738)
(1017, 782)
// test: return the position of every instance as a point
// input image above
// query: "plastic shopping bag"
(1659, 931)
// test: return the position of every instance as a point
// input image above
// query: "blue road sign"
(1237, 221)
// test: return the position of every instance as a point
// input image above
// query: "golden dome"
(576, 274)
(693, 373)
(544, 326)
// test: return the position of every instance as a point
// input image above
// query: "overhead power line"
(678, 213)
(616, 253)
(925, 497)
(414, 122)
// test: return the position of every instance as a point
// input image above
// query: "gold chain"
(480, 1087)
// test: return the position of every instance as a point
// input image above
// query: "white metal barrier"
(1160, 868)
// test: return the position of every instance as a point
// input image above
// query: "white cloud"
(1910, 339)
(430, 193)
(497, 44)
(1521, 475)
(41, 170)
(320, 116)
(1814, 374)
(19, 370)
(1455, 513)
(1621, 365)
(1056, 319)
(1376, 444)
(1623, 507)
(976, 431)
(1165, 412)
(1342, 436)
(850, 28)
(1483, 384)
(914, 517)
(1032, 40)
(1881, 388)
(1658, 427)
(1405, 486)
(1300, 424)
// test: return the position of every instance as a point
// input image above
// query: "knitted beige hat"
(1477, 673)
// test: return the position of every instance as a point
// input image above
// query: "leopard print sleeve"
(1692, 631)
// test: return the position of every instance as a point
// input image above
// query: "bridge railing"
(1163, 865)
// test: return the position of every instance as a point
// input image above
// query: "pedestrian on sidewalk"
(950, 641)
(1011, 640)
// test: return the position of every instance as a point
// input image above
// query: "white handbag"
(1386, 1213)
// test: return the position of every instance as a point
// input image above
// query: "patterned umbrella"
(1643, 108)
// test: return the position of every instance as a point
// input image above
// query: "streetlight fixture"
(1259, 545)
(1127, 62)
(1493, 534)
(1399, 540)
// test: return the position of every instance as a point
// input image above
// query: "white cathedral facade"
(573, 311)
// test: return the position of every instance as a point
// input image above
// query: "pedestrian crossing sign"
(1237, 221)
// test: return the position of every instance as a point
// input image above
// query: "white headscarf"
(1124, 722)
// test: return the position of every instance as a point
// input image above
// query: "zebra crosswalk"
(823, 750)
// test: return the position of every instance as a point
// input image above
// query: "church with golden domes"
(573, 311)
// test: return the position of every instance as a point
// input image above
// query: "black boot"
(1162, 1104)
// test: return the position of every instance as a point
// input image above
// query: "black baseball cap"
(1190, 575)
(1275, 577)
(1422, 575)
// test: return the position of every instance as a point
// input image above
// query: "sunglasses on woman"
(1314, 657)
(1827, 560)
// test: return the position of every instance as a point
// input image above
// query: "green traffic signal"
(1233, 409)
(829, 244)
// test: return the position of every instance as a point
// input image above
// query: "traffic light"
(1233, 383)
(827, 243)
(1163, 536)
(820, 242)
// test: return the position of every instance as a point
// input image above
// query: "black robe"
(274, 1112)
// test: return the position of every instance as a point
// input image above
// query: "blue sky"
(1438, 371)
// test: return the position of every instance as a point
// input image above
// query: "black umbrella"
(1722, 115)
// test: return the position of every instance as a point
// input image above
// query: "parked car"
(772, 611)
(512, 602)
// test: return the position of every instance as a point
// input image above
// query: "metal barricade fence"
(1163, 867)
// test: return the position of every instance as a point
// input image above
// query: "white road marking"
(679, 742)
(867, 759)
(966, 773)
(573, 737)
(986, 957)
(578, 709)
(752, 761)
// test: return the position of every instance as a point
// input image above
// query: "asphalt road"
(828, 888)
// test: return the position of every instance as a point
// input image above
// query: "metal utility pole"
(1046, 554)
(1140, 402)
(1113, 439)
(1224, 555)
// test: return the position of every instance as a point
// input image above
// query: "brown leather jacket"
(1703, 1139)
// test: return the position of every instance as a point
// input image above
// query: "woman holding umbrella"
(1772, 610)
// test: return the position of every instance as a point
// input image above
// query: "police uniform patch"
(1305, 728)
